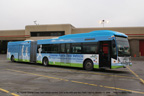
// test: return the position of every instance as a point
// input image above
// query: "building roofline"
(13, 30)
(51, 25)
(107, 27)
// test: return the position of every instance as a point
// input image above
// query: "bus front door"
(105, 54)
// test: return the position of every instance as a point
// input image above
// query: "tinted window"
(47, 33)
(62, 48)
(54, 48)
(49, 48)
(76, 48)
(90, 48)
(123, 46)
(68, 48)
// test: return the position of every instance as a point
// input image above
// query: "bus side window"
(68, 48)
(76, 48)
(54, 48)
(90, 48)
(62, 48)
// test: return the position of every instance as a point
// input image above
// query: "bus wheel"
(88, 65)
(12, 59)
(45, 62)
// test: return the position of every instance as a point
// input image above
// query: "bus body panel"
(24, 53)
(72, 60)
(12, 51)
(20, 50)
(121, 62)
(28, 51)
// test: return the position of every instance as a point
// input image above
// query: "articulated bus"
(97, 49)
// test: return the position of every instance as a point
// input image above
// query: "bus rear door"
(105, 54)
(65, 56)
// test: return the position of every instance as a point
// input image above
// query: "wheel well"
(86, 60)
(12, 56)
(44, 58)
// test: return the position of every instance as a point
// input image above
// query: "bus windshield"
(123, 46)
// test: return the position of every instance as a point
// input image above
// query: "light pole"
(103, 22)
(35, 22)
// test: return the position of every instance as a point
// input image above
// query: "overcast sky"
(16, 14)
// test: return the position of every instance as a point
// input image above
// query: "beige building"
(36, 32)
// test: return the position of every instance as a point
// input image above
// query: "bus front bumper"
(120, 65)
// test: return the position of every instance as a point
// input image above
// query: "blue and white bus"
(22, 51)
(96, 49)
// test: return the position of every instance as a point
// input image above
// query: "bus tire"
(45, 61)
(88, 65)
(12, 58)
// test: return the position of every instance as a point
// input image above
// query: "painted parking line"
(6, 91)
(136, 75)
(38, 75)
(13, 94)
(120, 76)
(78, 82)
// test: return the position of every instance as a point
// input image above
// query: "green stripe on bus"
(38, 62)
(67, 64)
(96, 66)
(15, 59)
(113, 67)
(23, 60)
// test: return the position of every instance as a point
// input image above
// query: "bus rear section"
(22, 51)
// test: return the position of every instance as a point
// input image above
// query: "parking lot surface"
(25, 79)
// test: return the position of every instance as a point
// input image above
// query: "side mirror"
(113, 52)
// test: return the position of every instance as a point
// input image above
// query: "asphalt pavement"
(25, 79)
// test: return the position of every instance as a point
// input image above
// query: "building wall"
(57, 27)
(134, 44)
(12, 35)
(134, 33)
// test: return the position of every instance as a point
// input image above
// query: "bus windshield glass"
(123, 46)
